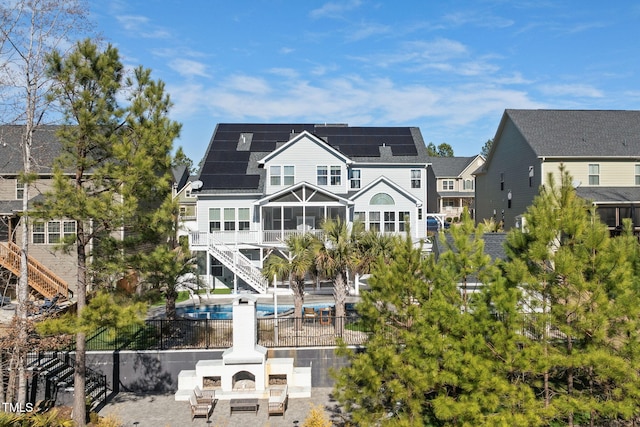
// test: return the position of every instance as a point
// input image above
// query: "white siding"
(306, 155)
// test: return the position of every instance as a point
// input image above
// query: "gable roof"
(295, 139)
(578, 133)
(294, 188)
(390, 183)
(231, 163)
(44, 148)
(446, 167)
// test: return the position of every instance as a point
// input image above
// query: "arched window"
(382, 199)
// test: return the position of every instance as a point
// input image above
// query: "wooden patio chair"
(278, 400)
(309, 314)
(204, 396)
(199, 409)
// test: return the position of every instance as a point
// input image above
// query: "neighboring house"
(599, 148)
(50, 271)
(183, 192)
(494, 246)
(261, 183)
(451, 185)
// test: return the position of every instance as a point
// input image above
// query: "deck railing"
(40, 278)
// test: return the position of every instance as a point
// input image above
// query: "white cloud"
(140, 26)
(334, 9)
(579, 90)
(364, 31)
(188, 67)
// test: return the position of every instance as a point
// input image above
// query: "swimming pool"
(224, 311)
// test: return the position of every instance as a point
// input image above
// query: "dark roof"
(613, 195)
(579, 133)
(44, 148)
(9, 207)
(449, 166)
(493, 245)
(231, 161)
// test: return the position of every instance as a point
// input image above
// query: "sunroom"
(298, 209)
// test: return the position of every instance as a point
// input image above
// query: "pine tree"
(118, 158)
(579, 292)
(427, 360)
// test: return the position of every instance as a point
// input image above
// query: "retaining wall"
(157, 371)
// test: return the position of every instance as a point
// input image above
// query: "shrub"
(316, 418)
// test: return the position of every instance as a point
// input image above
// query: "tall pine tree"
(578, 289)
(118, 158)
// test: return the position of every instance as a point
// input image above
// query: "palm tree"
(336, 255)
(294, 263)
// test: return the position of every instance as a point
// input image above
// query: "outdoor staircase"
(54, 370)
(239, 264)
(40, 278)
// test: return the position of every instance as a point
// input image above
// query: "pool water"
(224, 311)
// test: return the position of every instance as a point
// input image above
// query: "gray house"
(599, 148)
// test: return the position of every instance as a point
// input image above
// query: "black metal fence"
(163, 334)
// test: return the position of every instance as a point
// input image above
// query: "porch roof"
(315, 189)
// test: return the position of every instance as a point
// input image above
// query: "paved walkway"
(163, 411)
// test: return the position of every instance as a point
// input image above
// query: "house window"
(19, 190)
(214, 219)
(447, 185)
(243, 219)
(419, 213)
(416, 178)
(336, 174)
(355, 178)
(274, 172)
(360, 216)
(594, 174)
(468, 184)
(501, 181)
(52, 232)
(448, 203)
(289, 175)
(183, 211)
(322, 175)
(37, 232)
(188, 193)
(531, 176)
(404, 220)
(374, 221)
(637, 174)
(229, 219)
(390, 222)
(381, 199)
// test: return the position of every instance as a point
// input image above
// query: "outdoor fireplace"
(243, 380)
(244, 368)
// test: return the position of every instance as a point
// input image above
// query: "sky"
(450, 68)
